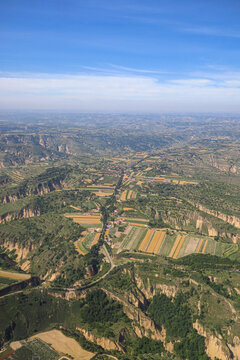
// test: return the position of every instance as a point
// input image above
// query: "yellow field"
(139, 183)
(179, 247)
(82, 216)
(64, 345)
(204, 248)
(199, 246)
(182, 182)
(160, 241)
(96, 238)
(175, 245)
(123, 195)
(101, 194)
(86, 220)
(74, 207)
(153, 242)
(156, 241)
(77, 248)
(15, 276)
(128, 209)
(145, 241)
(135, 224)
(129, 195)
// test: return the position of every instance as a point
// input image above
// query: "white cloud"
(212, 31)
(119, 93)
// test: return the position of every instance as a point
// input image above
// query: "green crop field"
(35, 349)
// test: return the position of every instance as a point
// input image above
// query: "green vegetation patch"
(35, 348)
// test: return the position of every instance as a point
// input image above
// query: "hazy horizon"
(137, 56)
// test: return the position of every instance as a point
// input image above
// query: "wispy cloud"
(92, 92)
(134, 70)
(211, 31)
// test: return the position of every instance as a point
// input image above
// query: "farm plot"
(134, 238)
(144, 244)
(139, 224)
(92, 220)
(96, 239)
(129, 209)
(185, 245)
(64, 345)
(134, 220)
(80, 248)
(103, 193)
(75, 207)
(88, 240)
(156, 242)
(34, 348)
(177, 243)
(13, 275)
(123, 195)
(131, 195)
(222, 249)
(128, 195)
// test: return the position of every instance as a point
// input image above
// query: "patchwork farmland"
(138, 237)
(88, 239)
(162, 178)
(128, 195)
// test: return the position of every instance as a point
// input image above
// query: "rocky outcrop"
(151, 290)
(216, 347)
(235, 347)
(11, 198)
(105, 343)
(144, 326)
(233, 220)
(40, 189)
(23, 213)
(20, 251)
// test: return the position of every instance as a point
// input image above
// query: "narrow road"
(96, 281)
(108, 256)
(112, 265)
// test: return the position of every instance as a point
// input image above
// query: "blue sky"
(128, 55)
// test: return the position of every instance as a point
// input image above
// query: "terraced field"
(103, 193)
(128, 195)
(176, 245)
(136, 220)
(86, 220)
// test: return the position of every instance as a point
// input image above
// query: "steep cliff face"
(23, 213)
(193, 220)
(143, 324)
(151, 290)
(221, 165)
(105, 343)
(11, 198)
(21, 252)
(216, 347)
(37, 190)
(233, 220)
